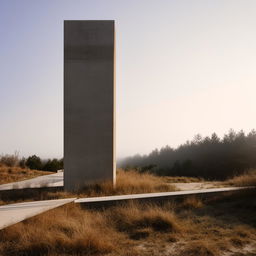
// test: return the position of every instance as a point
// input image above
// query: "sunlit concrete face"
(89, 103)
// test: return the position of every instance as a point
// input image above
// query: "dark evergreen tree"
(34, 162)
(209, 157)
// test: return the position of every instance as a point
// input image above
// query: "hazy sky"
(183, 67)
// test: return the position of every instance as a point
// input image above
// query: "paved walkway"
(14, 213)
(52, 180)
(56, 180)
(161, 195)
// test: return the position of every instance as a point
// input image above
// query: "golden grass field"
(13, 174)
(224, 224)
(128, 182)
(246, 179)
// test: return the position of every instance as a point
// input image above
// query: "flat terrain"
(13, 174)
(50, 180)
(219, 225)
(128, 182)
(198, 185)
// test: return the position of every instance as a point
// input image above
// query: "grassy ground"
(182, 179)
(13, 174)
(219, 225)
(128, 182)
(246, 179)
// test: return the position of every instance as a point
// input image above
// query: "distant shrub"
(248, 178)
(9, 160)
(22, 163)
(34, 162)
(53, 165)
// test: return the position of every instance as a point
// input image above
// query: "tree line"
(208, 157)
(52, 165)
(32, 162)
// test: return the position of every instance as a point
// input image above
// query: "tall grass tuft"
(246, 179)
(9, 160)
(134, 216)
(129, 182)
(15, 173)
(72, 230)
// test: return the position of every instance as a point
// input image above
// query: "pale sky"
(183, 67)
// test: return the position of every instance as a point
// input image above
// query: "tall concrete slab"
(89, 102)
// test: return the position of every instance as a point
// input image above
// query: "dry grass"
(246, 179)
(71, 230)
(9, 160)
(222, 224)
(134, 217)
(129, 182)
(13, 174)
(66, 230)
(192, 202)
(182, 179)
(219, 226)
(200, 248)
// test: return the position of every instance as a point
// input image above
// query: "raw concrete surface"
(156, 195)
(14, 213)
(52, 180)
(89, 102)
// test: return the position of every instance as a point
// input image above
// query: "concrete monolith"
(89, 102)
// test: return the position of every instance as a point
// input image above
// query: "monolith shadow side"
(89, 103)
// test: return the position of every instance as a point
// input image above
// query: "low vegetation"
(223, 224)
(246, 179)
(13, 174)
(216, 225)
(32, 162)
(128, 182)
(182, 179)
(193, 226)
(35, 162)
